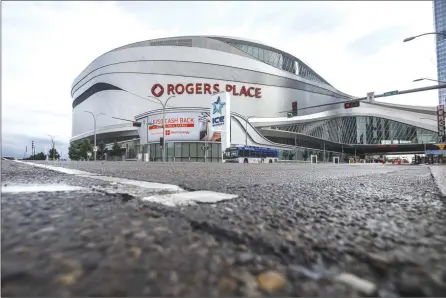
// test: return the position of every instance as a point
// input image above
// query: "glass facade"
(183, 151)
(358, 130)
(363, 130)
(440, 26)
(281, 61)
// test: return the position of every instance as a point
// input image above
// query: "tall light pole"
(94, 120)
(52, 143)
(425, 79)
(163, 104)
(413, 37)
(205, 140)
(435, 33)
(164, 111)
(246, 129)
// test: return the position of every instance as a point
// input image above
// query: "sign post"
(221, 118)
(440, 121)
(371, 96)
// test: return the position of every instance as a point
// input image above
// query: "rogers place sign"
(205, 88)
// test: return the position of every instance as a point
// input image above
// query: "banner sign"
(440, 119)
(158, 90)
(180, 126)
(221, 118)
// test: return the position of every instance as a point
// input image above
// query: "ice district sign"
(221, 117)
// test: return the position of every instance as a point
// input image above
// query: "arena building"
(130, 83)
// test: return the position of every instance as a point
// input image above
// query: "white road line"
(138, 183)
(58, 169)
(178, 197)
(19, 188)
(144, 184)
(190, 198)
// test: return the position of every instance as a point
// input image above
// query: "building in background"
(265, 84)
(440, 26)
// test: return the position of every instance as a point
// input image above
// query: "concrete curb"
(438, 173)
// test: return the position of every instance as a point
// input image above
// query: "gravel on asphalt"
(298, 230)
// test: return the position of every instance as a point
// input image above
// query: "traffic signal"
(161, 141)
(294, 108)
(353, 104)
(137, 124)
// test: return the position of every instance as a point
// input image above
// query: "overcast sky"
(356, 46)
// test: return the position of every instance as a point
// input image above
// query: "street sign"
(440, 119)
(95, 148)
(390, 93)
(371, 96)
(434, 152)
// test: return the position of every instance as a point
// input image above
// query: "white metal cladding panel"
(279, 99)
(186, 54)
(188, 69)
(124, 105)
(114, 104)
(426, 121)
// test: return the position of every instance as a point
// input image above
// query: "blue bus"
(250, 154)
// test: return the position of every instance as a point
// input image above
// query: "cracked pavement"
(293, 231)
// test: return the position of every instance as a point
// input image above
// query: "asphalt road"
(294, 230)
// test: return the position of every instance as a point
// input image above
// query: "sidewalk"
(439, 174)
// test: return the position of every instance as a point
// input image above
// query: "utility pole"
(52, 143)
(94, 128)
(324, 152)
(163, 104)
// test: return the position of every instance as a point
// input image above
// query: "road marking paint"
(143, 184)
(58, 169)
(190, 198)
(19, 188)
(177, 197)
(357, 283)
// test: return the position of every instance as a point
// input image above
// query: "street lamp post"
(164, 122)
(426, 79)
(246, 130)
(94, 120)
(413, 37)
(52, 144)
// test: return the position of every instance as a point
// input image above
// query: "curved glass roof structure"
(364, 130)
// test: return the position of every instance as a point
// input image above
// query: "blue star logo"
(217, 106)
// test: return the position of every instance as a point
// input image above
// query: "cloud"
(356, 46)
(45, 46)
(370, 44)
(18, 145)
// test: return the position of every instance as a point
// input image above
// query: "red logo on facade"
(157, 90)
(205, 88)
(167, 132)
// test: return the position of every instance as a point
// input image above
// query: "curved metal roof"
(227, 40)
